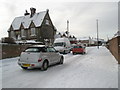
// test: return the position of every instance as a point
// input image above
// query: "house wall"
(114, 47)
(47, 31)
(44, 31)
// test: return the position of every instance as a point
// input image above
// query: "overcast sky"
(81, 15)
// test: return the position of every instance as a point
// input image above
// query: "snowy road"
(96, 69)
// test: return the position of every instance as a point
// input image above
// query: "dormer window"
(47, 22)
(33, 33)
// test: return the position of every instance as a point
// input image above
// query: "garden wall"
(114, 47)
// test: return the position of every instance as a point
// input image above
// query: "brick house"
(33, 26)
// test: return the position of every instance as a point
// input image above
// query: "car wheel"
(25, 68)
(44, 66)
(69, 51)
(64, 52)
(83, 53)
(73, 53)
(61, 60)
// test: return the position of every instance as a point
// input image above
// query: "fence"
(114, 47)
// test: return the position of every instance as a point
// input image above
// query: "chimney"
(26, 13)
(33, 11)
(47, 10)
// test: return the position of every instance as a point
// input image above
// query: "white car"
(39, 56)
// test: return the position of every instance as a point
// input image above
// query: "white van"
(62, 45)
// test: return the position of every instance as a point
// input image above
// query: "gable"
(47, 17)
(21, 26)
(32, 24)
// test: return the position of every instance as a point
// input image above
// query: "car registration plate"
(26, 65)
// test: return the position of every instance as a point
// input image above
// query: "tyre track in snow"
(19, 78)
(77, 57)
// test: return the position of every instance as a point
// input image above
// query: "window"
(35, 49)
(60, 44)
(22, 33)
(50, 49)
(12, 34)
(77, 46)
(33, 33)
(47, 22)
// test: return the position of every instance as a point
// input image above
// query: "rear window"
(77, 46)
(59, 44)
(35, 49)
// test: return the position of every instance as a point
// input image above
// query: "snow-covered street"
(96, 69)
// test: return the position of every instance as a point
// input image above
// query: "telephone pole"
(97, 35)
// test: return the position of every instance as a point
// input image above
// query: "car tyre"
(73, 53)
(64, 52)
(83, 53)
(25, 68)
(61, 60)
(44, 66)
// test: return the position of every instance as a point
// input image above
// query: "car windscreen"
(59, 44)
(77, 46)
(35, 49)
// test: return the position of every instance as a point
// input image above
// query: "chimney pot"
(26, 13)
(33, 11)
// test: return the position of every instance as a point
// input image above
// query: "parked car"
(78, 49)
(72, 45)
(62, 45)
(39, 56)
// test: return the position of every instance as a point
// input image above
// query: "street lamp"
(68, 28)
(97, 35)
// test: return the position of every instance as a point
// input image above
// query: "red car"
(78, 49)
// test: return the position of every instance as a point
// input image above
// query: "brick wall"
(0, 51)
(12, 50)
(114, 47)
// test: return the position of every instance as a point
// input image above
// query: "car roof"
(40, 46)
(37, 46)
(78, 45)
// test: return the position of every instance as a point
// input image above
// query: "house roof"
(37, 19)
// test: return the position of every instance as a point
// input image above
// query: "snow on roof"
(28, 41)
(38, 46)
(84, 38)
(26, 20)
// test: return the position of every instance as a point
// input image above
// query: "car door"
(56, 55)
(53, 55)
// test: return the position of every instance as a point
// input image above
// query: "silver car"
(39, 56)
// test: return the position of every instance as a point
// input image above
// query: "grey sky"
(81, 15)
